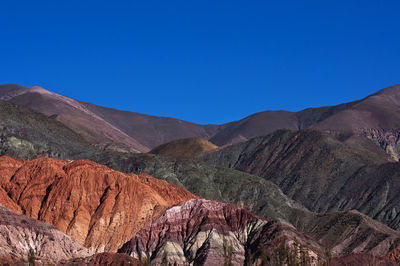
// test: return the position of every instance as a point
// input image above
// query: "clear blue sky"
(202, 61)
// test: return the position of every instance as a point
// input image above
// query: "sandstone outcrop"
(98, 207)
(203, 232)
(22, 238)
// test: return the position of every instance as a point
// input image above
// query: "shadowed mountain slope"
(184, 148)
(98, 207)
(322, 172)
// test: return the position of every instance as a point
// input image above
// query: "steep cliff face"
(98, 207)
(22, 238)
(210, 233)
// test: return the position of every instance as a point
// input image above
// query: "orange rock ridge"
(98, 207)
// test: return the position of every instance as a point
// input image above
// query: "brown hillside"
(185, 148)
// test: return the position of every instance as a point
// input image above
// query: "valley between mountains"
(82, 184)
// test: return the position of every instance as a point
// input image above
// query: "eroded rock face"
(21, 235)
(98, 207)
(201, 232)
(387, 139)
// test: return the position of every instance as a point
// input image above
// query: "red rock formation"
(96, 206)
(202, 231)
(22, 237)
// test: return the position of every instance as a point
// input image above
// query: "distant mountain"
(376, 117)
(152, 131)
(98, 207)
(185, 148)
(322, 171)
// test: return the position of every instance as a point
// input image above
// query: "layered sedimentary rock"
(98, 207)
(206, 232)
(24, 239)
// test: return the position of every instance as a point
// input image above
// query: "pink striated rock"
(198, 231)
(20, 235)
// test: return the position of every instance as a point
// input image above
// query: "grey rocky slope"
(324, 172)
(27, 134)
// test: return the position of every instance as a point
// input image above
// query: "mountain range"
(376, 116)
(323, 179)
